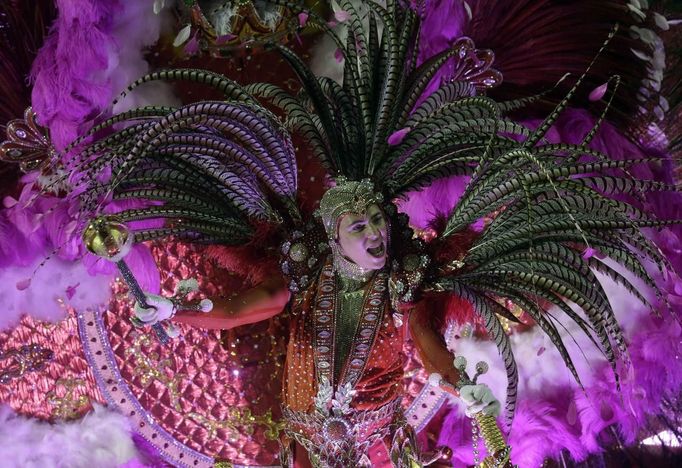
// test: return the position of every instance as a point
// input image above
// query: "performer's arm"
(253, 305)
(431, 347)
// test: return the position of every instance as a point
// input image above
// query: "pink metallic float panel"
(208, 395)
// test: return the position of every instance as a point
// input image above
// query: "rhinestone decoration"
(72, 404)
(346, 197)
(296, 262)
(27, 358)
(298, 252)
(285, 247)
(474, 65)
(342, 436)
(336, 429)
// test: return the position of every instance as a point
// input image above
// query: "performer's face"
(363, 238)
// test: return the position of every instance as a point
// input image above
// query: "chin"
(377, 264)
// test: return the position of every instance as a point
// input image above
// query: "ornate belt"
(342, 436)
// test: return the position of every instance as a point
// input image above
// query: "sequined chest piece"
(345, 325)
(326, 327)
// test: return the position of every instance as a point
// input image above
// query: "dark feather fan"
(22, 29)
(536, 42)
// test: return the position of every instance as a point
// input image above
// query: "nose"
(373, 232)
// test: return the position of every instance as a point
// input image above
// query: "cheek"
(358, 243)
(351, 243)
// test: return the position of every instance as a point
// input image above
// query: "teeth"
(376, 250)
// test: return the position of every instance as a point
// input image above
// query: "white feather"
(101, 439)
(51, 283)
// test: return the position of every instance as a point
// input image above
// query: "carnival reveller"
(346, 343)
(217, 171)
(343, 378)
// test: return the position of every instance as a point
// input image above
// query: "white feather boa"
(101, 439)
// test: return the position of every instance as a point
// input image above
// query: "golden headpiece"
(348, 196)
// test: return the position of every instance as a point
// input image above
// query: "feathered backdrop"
(68, 98)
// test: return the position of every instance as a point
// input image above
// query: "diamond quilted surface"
(216, 392)
(53, 382)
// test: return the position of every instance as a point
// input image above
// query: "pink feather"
(398, 136)
(598, 92)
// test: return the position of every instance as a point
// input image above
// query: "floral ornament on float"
(27, 144)
(27, 358)
(473, 66)
(222, 28)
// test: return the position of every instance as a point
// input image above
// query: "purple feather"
(443, 22)
(68, 87)
(149, 455)
(598, 92)
(588, 253)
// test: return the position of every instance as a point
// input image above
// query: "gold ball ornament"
(460, 363)
(481, 367)
(108, 237)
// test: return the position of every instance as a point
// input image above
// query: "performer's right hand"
(479, 399)
(160, 308)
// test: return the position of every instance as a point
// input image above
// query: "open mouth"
(377, 251)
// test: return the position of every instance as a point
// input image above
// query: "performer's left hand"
(479, 398)
(160, 308)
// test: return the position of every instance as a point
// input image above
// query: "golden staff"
(498, 449)
(109, 238)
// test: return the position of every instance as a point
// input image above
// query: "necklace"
(348, 270)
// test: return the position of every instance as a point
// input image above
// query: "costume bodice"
(336, 410)
(379, 380)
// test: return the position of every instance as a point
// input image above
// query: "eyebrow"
(357, 222)
(365, 219)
